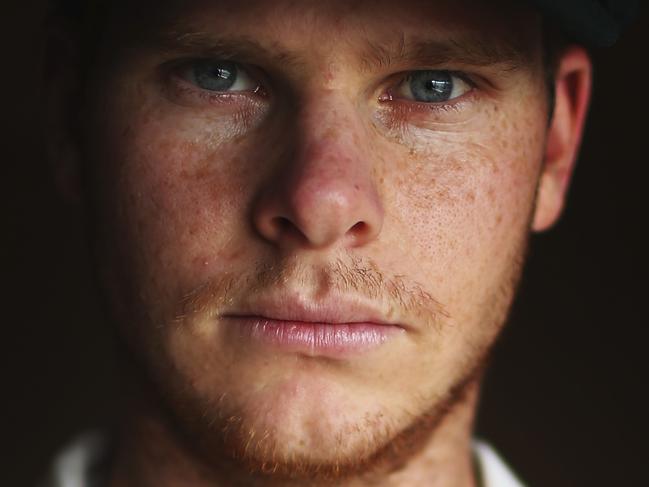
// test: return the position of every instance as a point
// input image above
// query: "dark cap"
(596, 23)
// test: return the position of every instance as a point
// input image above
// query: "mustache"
(356, 278)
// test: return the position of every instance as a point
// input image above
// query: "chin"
(312, 431)
(324, 448)
(307, 428)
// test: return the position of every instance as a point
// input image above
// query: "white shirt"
(75, 465)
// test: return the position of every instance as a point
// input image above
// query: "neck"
(151, 453)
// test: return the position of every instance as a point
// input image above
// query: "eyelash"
(401, 107)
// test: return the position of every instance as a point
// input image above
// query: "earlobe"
(573, 86)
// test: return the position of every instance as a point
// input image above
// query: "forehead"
(491, 30)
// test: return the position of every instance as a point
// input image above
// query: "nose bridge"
(329, 147)
(324, 193)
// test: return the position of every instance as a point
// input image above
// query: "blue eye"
(220, 76)
(432, 86)
(215, 76)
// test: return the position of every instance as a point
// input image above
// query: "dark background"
(565, 399)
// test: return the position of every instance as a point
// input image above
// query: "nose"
(324, 194)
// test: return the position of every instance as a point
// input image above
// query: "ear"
(573, 86)
(62, 88)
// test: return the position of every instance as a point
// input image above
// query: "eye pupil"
(431, 86)
(215, 76)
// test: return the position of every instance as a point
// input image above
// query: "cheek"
(466, 200)
(173, 186)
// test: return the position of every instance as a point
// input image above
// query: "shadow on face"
(294, 203)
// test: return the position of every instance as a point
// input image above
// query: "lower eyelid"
(186, 93)
(403, 112)
(430, 106)
(408, 118)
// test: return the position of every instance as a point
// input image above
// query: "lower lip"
(331, 339)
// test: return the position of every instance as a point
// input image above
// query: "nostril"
(282, 223)
(285, 227)
(362, 232)
(317, 223)
(359, 229)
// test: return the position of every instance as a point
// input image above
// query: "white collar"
(493, 471)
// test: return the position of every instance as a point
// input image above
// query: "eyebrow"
(241, 48)
(467, 50)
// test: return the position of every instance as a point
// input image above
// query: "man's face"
(260, 166)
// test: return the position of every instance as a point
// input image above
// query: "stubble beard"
(378, 448)
(232, 451)
(226, 443)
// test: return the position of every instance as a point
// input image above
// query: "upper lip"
(331, 309)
